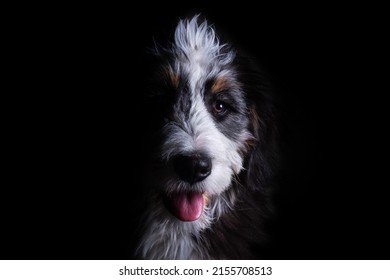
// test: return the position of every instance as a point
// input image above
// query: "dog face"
(204, 121)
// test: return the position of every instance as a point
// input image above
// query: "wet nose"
(192, 168)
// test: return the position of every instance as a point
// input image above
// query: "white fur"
(199, 53)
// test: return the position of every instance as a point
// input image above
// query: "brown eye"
(220, 107)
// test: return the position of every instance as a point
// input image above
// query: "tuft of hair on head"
(192, 36)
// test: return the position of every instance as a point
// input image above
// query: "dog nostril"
(203, 167)
(193, 168)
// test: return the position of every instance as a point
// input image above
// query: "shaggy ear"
(263, 160)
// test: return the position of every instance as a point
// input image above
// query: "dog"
(213, 150)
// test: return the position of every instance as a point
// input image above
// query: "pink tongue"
(187, 206)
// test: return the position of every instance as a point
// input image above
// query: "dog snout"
(192, 168)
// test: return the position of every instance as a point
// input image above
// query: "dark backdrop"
(78, 147)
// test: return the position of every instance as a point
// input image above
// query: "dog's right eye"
(220, 108)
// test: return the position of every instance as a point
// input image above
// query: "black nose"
(193, 168)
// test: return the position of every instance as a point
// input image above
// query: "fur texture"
(211, 106)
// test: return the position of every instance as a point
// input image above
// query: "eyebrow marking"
(219, 85)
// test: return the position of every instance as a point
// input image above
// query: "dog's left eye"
(220, 107)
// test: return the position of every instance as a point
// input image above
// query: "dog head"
(205, 125)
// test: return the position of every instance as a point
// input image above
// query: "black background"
(77, 139)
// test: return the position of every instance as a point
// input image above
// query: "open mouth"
(186, 206)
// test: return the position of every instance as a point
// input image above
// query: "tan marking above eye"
(220, 85)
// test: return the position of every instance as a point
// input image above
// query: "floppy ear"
(263, 158)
